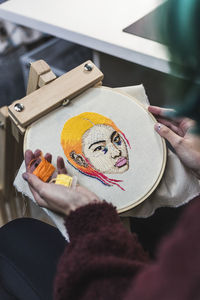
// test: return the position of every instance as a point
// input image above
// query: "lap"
(29, 253)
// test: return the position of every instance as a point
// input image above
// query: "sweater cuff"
(91, 218)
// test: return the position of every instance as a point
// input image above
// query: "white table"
(95, 24)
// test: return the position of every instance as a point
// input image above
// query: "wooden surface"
(98, 26)
(50, 96)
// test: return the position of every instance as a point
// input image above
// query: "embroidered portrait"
(95, 146)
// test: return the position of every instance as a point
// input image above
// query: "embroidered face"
(105, 149)
(95, 146)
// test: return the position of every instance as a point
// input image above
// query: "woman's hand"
(53, 196)
(177, 132)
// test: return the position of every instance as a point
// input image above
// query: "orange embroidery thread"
(44, 170)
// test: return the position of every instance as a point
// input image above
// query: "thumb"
(168, 134)
(33, 181)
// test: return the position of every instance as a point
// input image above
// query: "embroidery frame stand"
(45, 92)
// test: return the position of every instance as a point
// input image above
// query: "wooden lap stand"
(45, 92)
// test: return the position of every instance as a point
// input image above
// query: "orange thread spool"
(44, 170)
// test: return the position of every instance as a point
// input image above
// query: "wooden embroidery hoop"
(45, 93)
(31, 142)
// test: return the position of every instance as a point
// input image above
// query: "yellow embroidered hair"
(71, 141)
(74, 129)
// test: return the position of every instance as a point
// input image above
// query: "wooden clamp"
(52, 95)
(40, 74)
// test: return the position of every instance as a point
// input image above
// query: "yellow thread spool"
(64, 179)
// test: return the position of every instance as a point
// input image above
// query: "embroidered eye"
(101, 148)
(117, 140)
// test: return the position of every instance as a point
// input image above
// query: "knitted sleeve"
(103, 261)
(176, 272)
(100, 259)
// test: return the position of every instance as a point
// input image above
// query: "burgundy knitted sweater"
(104, 261)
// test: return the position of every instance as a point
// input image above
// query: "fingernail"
(158, 126)
(25, 176)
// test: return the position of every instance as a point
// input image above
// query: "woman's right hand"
(178, 133)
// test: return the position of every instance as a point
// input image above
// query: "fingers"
(166, 113)
(33, 181)
(155, 110)
(61, 166)
(179, 125)
(28, 157)
(37, 153)
(38, 187)
(169, 135)
(186, 124)
(159, 111)
(52, 196)
(35, 185)
(44, 193)
(48, 157)
(58, 198)
(172, 126)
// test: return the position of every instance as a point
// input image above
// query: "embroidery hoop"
(30, 136)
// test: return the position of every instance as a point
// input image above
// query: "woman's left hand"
(54, 196)
(178, 133)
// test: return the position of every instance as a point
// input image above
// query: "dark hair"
(179, 25)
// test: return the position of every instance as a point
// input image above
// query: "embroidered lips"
(122, 161)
